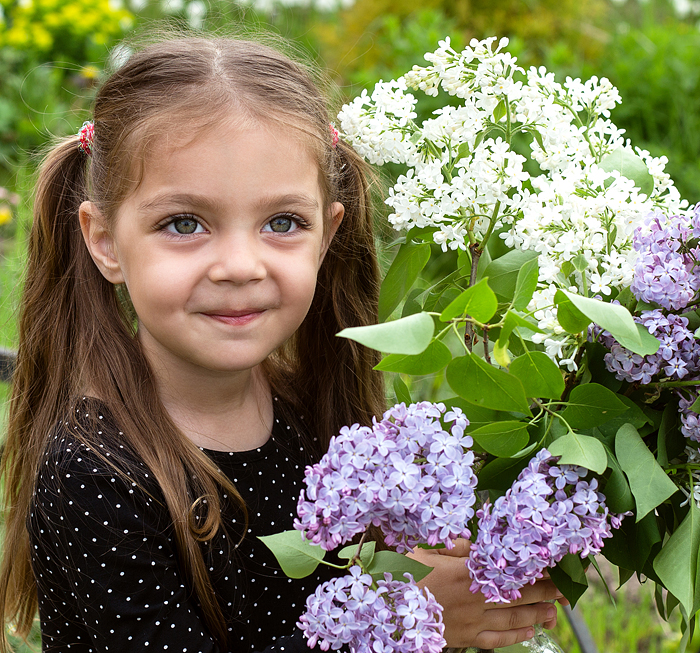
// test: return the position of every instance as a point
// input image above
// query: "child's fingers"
(542, 590)
(516, 618)
(489, 639)
(460, 549)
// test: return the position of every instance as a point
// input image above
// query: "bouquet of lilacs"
(414, 481)
(566, 320)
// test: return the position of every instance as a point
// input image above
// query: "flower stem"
(475, 251)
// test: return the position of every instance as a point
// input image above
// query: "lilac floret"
(690, 420)
(678, 355)
(549, 511)
(386, 617)
(665, 272)
(405, 474)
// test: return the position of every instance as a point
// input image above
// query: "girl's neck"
(232, 415)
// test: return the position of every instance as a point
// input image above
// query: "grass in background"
(633, 625)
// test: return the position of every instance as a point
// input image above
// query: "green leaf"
(511, 322)
(397, 565)
(297, 556)
(473, 379)
(648, 481)
(570, 318)
(502, 439)
(617, 320)
(618, 496)
(433, 359)
(499, 111)
(677, 562)
(579, 449)
(401, 391)
(580, 262)
(503, 272)
(409, 335)
(540, 376)
(696, 406)
(500, 473)
(500, 354)
(404, 270)
(538, 137)
(570, 577)
(525, 284)
(477, 301)
(591, 405)
(477, 415)
(366, 555)
(634, 415)
(629, 165)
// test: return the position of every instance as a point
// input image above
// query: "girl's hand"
(468, 619)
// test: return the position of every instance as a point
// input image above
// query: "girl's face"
(219, 247)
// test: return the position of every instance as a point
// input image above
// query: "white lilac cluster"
(405, 474)
(389, 616)
(548, 512)
(465, 179)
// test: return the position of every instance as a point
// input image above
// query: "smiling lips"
(235, 318)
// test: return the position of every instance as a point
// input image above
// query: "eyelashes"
(186, 224)
(286, 223)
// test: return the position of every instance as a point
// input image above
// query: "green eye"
(281, 224)
(185, 225)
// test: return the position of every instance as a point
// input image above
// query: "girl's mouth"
(236, 318)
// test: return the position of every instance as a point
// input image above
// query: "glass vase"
(542, 642)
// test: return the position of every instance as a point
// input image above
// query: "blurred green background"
(53, 52)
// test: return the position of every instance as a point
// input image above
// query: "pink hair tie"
(86, 135)
(335, 135)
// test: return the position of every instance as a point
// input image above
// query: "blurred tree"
(381, 38)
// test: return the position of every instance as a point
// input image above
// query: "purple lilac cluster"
(678, 355)
(383, 617)
(690, 420)
(405, 474)
(549, 511)
(666, 271)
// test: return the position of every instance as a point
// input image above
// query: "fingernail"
(551, 612)
(530, 633)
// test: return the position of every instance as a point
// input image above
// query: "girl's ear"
(337, 212)
(100, 242)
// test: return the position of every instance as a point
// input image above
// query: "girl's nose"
(237, 259)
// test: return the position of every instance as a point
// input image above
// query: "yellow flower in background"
(90, 72)
(47, 26)
(5, 214)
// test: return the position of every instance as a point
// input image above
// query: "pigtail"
(334, 383)
(44, 364)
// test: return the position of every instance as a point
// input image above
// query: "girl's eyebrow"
(289, 199)
(270, 202)
(186, 199)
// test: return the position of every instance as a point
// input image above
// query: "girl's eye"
(284, 224)
(184, 226)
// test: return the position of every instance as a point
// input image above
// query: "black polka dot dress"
(105, 561)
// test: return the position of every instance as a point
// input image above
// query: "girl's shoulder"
(86, 439)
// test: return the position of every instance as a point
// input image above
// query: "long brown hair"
(76, 332)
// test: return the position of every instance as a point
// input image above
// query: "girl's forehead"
(229, 144)
(230, 158)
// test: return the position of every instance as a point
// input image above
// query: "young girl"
(193, 254)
